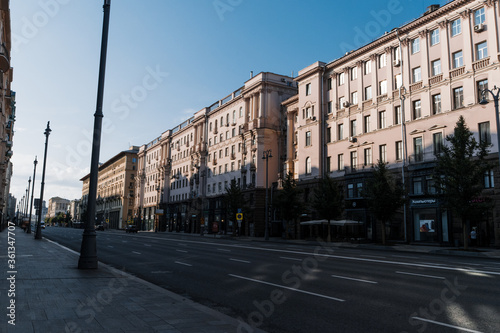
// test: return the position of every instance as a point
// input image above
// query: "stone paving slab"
(53, 296)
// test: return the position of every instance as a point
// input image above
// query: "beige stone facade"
(115, 190)
(7, 114)
(183, 174)
(57, 205)
(396, 100)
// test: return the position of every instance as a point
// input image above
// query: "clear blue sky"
(166, 60)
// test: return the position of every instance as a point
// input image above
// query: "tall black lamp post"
(32, 194)
(265, 156)
(88, 251)
(38, 234)
(28, 228)
(484, 101)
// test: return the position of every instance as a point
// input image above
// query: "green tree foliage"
(459, 172)
(383, 196)
(234, 200)
(288, 201)
(328, 201)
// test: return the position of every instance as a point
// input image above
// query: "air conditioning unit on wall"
(479, 27)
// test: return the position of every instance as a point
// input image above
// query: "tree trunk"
(464, 232)
(382, 223)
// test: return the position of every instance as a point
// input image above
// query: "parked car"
(131, 228)
(99, 227)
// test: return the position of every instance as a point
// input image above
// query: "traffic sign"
(239, 216)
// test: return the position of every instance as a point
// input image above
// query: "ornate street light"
(32, 194)
(88, 250)
(28, 228)
(484, 101)
(265, 156)
(38, 234)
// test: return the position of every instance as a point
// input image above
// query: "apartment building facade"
(7, 114)
(395, 100)
(115, 190)
(184, 173)
(57, 205)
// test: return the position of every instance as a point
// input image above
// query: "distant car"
(99, 227)
(131, 228)
(42, 224)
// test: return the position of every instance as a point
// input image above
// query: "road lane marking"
(183, 263)
(407, 257)
(390, 262)
(447, 325)
(349, 278)
(136, 252)
(239, 260)
(225, 250)
(422, 275)
(110, 246)
(288, 258)
(285, 287)
(182, 251)
(147, 244)
(370, 256)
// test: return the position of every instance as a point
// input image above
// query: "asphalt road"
(286, 288)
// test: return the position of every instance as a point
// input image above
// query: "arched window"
(308, 166)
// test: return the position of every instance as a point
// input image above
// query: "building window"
(329, 107)
(479, 16)
(436, 104)
(382, 60)
(397, 115)
(481, 50)
(436, 67)
(308, 138)
(456, 27)
(368, 156)
(418, 149)
(482, 86)
(484, 132)
(434, 37)
(366, 128)
(458, 59)
(489, 181)
(340, 132)
(458, 97)
(353, 127)
(340, 162)
(399, 150)
(382, 149)
(383, 87)
(354, 73)
(398, 81)
(437, 143)
(328, 134)
(308, 89)
(417, 109)
(350, 191)
(368, 67)
(341, 102)
(397, 57)
(416, 74)
(417, 185)
(368, 93)
(341, 78)
(354, 98)
(241, 112)
(329, 84)
(381, 120)
(308, 166)
(415, 45)
(354, 160)
(329, 164)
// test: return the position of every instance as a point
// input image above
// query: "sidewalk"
(53, 296)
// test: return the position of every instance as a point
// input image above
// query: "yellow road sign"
(239, 216)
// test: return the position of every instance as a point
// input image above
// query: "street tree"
(459, 172)
(289, 203)
(234, 200)
(383, 196)
(328, 201)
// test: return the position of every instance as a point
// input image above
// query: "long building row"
(394, 99)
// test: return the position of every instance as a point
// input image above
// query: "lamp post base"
(88, 252)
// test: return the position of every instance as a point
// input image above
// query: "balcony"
(367, 104)
(436, 79)
(382, 98)
(480, 64)
(214, 162)
(233, 156)
(457, 72)
(415, 86)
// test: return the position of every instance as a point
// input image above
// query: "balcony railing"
(457, 72)
(435, 79)
(480, 64)
(415, 86)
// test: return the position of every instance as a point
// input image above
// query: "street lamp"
(38, 234)
(88, 251)
(28, 228)
(32, 194)
(265, 156)
(484, 101)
